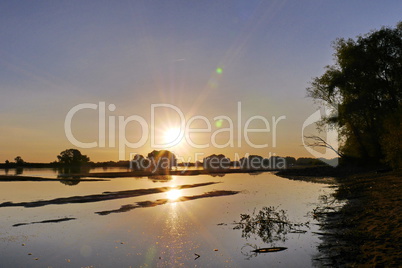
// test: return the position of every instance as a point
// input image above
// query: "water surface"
(168, 234)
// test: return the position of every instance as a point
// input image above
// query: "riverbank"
(367, 231)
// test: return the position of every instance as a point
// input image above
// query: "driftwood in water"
(269, 250)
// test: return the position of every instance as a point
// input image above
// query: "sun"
(172, 136)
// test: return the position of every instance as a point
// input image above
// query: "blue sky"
(57, 54)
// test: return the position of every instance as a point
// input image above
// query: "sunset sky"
(202, 57)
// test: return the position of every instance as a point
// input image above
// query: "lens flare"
(171, 135)
(219, 123)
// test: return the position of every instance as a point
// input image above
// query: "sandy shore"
(367, 231)
(373, 219)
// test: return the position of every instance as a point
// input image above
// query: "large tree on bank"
(364, 87)
(72, 157)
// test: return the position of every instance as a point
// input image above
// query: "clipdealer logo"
(148, 130)
(241, 126)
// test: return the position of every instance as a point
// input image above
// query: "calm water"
(52, 173)
(165, 235)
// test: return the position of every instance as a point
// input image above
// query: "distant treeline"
(72, 160)
(290, 161)
(60, 165)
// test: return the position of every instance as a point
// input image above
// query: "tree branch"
(317, 141)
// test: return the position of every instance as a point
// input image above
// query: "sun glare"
(173, 194)
(171, 136)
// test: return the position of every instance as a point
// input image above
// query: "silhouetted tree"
(290, 161)
(392, 140)
(72, 157)
(19, 161)
(216, 162)
(307, 161)
(162, 160)
(139, 163)
(252, 162)
(364, 88)
(277, 162)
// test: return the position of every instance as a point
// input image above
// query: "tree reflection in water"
(70, 181)
(270, 225)
(160, 178)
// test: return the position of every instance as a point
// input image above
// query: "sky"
(106, 77)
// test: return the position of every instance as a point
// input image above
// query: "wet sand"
(367, 231)
(372, 219)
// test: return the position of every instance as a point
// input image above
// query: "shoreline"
(367, 229)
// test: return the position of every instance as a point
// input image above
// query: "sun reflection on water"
(173, 194)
